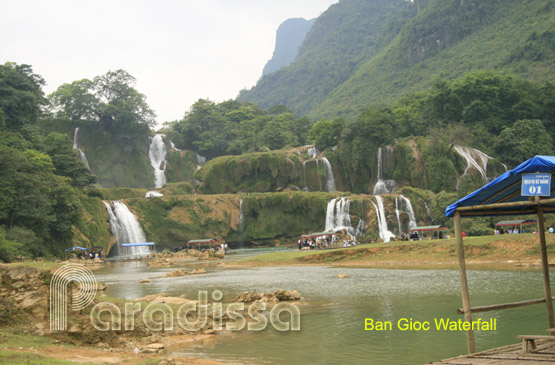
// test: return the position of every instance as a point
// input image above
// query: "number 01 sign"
(536, 185)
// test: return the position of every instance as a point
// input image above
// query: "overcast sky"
(179, 51)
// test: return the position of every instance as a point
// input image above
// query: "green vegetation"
(231, 128)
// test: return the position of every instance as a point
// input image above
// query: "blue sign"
(536, 185)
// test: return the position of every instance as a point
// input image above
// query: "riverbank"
(510, 251)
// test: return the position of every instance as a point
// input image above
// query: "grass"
(45, 265)
(505, 247)
(11, 342)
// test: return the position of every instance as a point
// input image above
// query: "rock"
(342, 276)
(287, 295)
(176, 273)
(144, 281)
(198, 270)
(209, 332)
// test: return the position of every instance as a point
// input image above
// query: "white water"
(385, 234)
(76, 147)
(361, 226)
(304, 177)
(398, 214)
(126, 228)
(410, 212)
(337, 215)
(157, 154)
(241, 222)
(172, 145)
(312, 151)
(201, 160)
(330, 181)
(153, 193)
(474, 159)
(383, 186)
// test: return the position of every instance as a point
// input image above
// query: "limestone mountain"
(289, 36)
(360, 53)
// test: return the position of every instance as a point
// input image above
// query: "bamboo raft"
(507, 355)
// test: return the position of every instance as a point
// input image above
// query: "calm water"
(334, 310)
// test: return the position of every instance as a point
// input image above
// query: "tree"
(60, 149)
(120, 105)
(75, 101)
(325, 133)
(525, 139)
(21, 96)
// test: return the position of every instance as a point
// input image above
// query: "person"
(464, 234)
(551, 230)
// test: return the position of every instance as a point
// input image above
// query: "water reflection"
(334, 310)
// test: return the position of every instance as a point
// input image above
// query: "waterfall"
(337, 215)
(241, 216)
(398, 214)
(153, 193)
(330, 181)
(78, 149)
(385, 234)
(383, 186)
(126, 229)
(312, 151)
(428, 213)
(157, 154)
(410, 212)
(304, 177)
(474, 159)
(201, 160)
(172, 146)
(361, 226)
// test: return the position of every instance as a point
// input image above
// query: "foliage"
(9, 249)
(523, 140)
(110, 99)
(231, 128)
(66, 162)
(326, 133)
(21, 96)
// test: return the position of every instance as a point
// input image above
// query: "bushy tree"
(523, 140)
(326, 133)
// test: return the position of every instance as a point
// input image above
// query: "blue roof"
(137, 244)
(76, 248)
(506, 189)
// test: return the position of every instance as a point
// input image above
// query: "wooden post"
(545, 270)
(471, 344)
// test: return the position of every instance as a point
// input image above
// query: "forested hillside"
(445, 39)
(341, 39)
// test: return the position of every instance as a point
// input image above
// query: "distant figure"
(551, 230)
(464, 234)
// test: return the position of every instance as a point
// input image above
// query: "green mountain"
(404, 48)
(341, 39)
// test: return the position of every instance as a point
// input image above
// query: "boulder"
(198, 270)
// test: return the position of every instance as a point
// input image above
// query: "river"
(333, 310)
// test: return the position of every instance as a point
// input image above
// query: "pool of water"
(333, 310)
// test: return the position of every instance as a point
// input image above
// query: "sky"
(178, 50)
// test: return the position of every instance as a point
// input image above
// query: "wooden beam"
(545, 269)
(471, 344)
(487, 308)
(507, 205)
(498, 212)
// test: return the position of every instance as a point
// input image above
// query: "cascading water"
(361, 226)
(428, 213)
(241, 222)
(312, 151)
(172, 146)
(383, 186)
(201, 160)
(337, 215)
(126, 229)
(474, 159)
(157, 154)
(410, 212)
(76, 147)
(153, 193)
(330, 181)
(407, 209)
(385, 234)
(304, 177)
